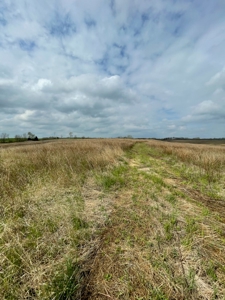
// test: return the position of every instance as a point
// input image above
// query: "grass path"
(163, 240)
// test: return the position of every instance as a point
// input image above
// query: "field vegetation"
(112, 219)
(214, 141)
(43, 225)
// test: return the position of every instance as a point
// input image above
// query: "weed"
(169, 226)
(135, 198)
(157, 180)
(171, 198)
(65, 282)
(158, 294)
(211, 270)
(115, 178)
(78, 223)
(191, 281)
(108, 277)
(205, 212)
(191, 225)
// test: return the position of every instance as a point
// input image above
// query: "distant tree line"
(4, 137)
(195, 138)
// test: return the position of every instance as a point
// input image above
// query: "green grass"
(65, 282)
(114, 178)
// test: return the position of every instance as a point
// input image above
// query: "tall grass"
(210, 160)
(162, 243)
(41, 205)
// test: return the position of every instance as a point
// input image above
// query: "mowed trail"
(163, 239)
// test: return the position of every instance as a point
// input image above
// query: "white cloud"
(42, 84)
(205, 107)
(207, 111)
(6, 82)
(172, 126)
(89, 86)
(146, 68)
(218, 79)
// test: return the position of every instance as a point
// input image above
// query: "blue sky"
(112, 68)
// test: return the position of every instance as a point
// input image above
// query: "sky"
(110, 68)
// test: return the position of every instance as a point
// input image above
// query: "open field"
(112, 219)
(26, 143)
(199, 141)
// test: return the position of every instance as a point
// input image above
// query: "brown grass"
(162, 243)
(208, 158)
(112, 219)
(42, 204)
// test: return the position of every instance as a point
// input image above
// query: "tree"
(18, 137)
(4, 136)
(21, 138)
(30, 135)
(71, 135)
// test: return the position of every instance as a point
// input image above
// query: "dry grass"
(112, 219)
(162, 243)
(209, 159)
(43, 220)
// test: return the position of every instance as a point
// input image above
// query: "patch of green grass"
(169, 226)
(191, 225)
(108, 277)
(191, 229)
(78, 223)
(158, 294)
(211, 270)
(205, 212)
(171, 198)
(158, 181)
(65, 282)
(51, 225)
(191, 281)
(115, 178)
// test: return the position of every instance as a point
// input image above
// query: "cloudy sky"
(108, 68)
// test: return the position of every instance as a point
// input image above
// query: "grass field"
(112, 219)
(199, 141)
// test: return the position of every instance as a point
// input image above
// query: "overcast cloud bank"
(112, 68)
